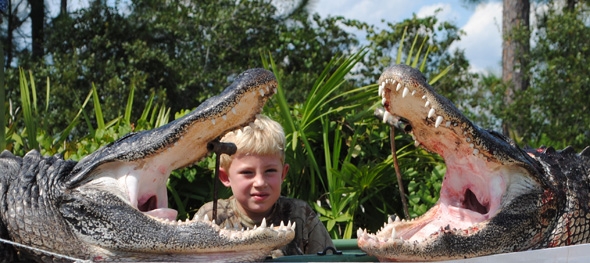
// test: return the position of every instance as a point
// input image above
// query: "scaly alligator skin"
(495, 197)
(112, 205)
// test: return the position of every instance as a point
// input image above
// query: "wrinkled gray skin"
(112, 205)
(495, 196)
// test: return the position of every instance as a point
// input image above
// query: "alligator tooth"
(261, 92)
(393, 234)
(399, 86)
(439, 120)
(293, 226)
(427, 103)
(381, 87)
(383, 100)
(389, 220)
(431, 113)
(233, 110)
(274, 90)
(386, 116)
(475, 151)
(471, 145)
(213, 121)
(224, 117)
(405, 92)
(413, 92)
(416, 143)
(196, 218)
(272, 226)
(423, 97)
(206, 218)
(263, 223)
(448, 124)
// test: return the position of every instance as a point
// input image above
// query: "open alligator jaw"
(478, 174)
(136, 167)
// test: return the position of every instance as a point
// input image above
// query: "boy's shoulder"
(288, 205)
(292, 201)
(223, 205)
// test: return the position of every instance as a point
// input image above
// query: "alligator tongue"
(166, 213)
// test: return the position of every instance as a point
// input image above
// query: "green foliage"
(182, 52)
(34, 135)
(554, 109)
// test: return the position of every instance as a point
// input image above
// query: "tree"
(37, 27)
(555, 108)
(515, 50)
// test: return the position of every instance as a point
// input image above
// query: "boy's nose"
(259, 180)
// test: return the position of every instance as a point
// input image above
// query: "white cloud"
(369, 11)
(443, 11)
(483, 42)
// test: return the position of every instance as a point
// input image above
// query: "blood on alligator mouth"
(149, 204)
(470, 202)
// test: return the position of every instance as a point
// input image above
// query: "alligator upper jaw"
(119, 192)
(484, 173)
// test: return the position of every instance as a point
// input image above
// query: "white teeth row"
(431, 113)
(227, 226)
(262, 92)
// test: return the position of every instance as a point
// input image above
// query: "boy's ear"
(285, 170)
(224, 177)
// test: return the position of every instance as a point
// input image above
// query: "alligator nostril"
(470, 202)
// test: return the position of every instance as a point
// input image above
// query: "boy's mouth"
(259, 195)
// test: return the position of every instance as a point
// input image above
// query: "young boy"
(255, 174)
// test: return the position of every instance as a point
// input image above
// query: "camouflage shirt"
(310, 234)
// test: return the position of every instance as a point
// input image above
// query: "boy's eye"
(247, 172)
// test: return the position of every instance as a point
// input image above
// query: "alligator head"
(112, 205)
(495, 197)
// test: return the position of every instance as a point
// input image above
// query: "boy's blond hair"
(262, 137)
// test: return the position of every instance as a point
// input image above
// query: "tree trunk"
(37, 21)
(515, 47)
(63, 9)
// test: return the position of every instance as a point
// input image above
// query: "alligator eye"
(470, 202)
(408, 128)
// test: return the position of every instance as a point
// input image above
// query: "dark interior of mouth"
(470, 202)
(150, 204)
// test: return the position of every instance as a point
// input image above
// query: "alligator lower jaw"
(226, 245)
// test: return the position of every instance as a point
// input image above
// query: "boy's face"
(255, 181)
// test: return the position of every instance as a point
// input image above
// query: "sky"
(481, 23)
